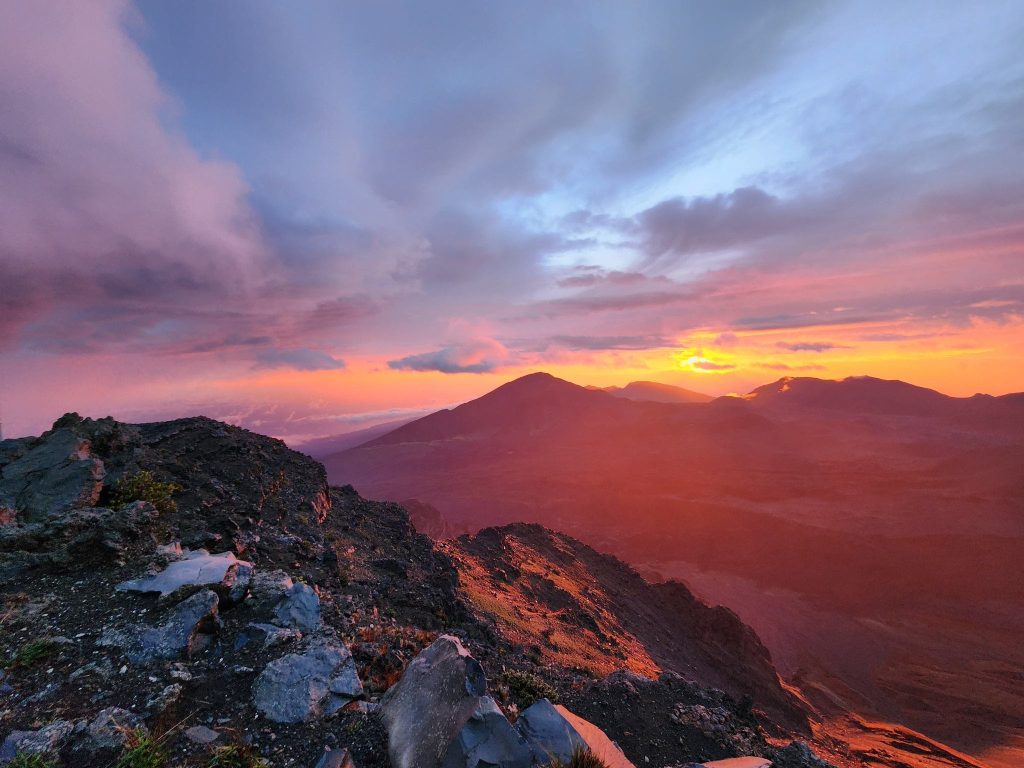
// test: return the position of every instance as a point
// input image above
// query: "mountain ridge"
(297, 603)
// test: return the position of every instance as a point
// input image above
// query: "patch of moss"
(525, 688)
(31, 653)
(143, 486)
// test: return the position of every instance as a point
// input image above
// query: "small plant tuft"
(142, 751)
(31, 653)
(235, 756)
(525, 688)
(142, 486)
(581, 758)
(32, 760)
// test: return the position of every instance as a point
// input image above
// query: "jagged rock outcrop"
(41, 741)
(73, 538)
(106, 734)
(51, 475)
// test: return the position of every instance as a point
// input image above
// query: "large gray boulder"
(299, 609)
(554, 732)
(303, 686)
(187, 630)
(223, 572)
(57, 474)
(426, 710)
(488, 740)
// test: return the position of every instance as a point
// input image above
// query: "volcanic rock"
(487, 740)
(428, 707)
(303, 686)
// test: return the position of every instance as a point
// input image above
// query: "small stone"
(335, 758)
(200, 734)
(165, 698)
(274, 635)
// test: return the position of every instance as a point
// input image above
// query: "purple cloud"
(298, 359)
(472, 356)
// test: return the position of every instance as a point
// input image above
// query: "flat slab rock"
(303, 686)
(198, 568)
(736, 762)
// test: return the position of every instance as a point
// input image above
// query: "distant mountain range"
(326, 446)
(870, 530)
(656, 392)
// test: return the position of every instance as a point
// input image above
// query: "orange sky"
(985, 357)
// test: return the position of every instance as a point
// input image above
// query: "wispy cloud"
(299, 359)
(471, 356)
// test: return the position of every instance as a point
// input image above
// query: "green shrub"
(581, 758)
(142, 751)
(31, 653)
(32, 760)
(235, 756)
(142, 486)
(525, 688)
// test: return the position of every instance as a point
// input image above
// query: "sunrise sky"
(308, 217)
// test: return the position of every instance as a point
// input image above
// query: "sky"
(310, 217)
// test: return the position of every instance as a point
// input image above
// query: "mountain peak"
(866, 394)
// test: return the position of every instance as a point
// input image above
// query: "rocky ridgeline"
(240, 613)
